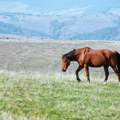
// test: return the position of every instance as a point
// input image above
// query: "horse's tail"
(118, 60)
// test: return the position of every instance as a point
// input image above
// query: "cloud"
(13, 7)
(22, 7)
(69, 12)
(114, 11)
(19, 7)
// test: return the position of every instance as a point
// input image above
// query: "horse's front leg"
(87, 72)
(106, 74)
(77, 71)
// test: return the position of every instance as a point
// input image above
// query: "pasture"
(32, 86)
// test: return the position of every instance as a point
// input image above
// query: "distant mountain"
(103, 27)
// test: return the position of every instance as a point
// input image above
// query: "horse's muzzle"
(63, 70)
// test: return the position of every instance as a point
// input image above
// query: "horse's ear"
(62, 56)
(74, 49)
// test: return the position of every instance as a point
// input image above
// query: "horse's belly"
(97, 63)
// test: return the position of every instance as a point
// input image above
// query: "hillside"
(101, 27)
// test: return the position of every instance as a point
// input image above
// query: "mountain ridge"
(100, 27)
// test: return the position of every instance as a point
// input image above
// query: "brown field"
(23, 54)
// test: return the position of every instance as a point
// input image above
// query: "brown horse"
(88, 57)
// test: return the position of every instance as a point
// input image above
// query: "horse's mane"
(70, 55)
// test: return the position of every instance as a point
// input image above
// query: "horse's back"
(106, 57)
(103, 53)
(96, 58)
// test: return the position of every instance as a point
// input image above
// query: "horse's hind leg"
(106, 74)
(87, 72)
(117, 73)
(77, 71)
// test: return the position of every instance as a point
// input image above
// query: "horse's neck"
(78, 54)
(73, 57)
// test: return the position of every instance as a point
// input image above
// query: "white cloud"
(114, 11)
(69, 12)
(17, 7)
(13, 7)
(22, 7)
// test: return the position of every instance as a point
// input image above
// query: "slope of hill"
(102, 27)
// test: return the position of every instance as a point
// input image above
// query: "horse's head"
(67, 58)
(65, 63)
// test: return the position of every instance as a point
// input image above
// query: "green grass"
(53, 97)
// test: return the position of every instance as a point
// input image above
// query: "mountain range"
(105, 26)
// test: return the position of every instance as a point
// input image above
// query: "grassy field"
(32, 86)
(56, 97)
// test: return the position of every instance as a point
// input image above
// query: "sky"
(67, 7)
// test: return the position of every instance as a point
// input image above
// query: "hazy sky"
(87, 7)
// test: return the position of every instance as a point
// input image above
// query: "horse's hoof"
(104, 83)
(88, 82)
(78, 80)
